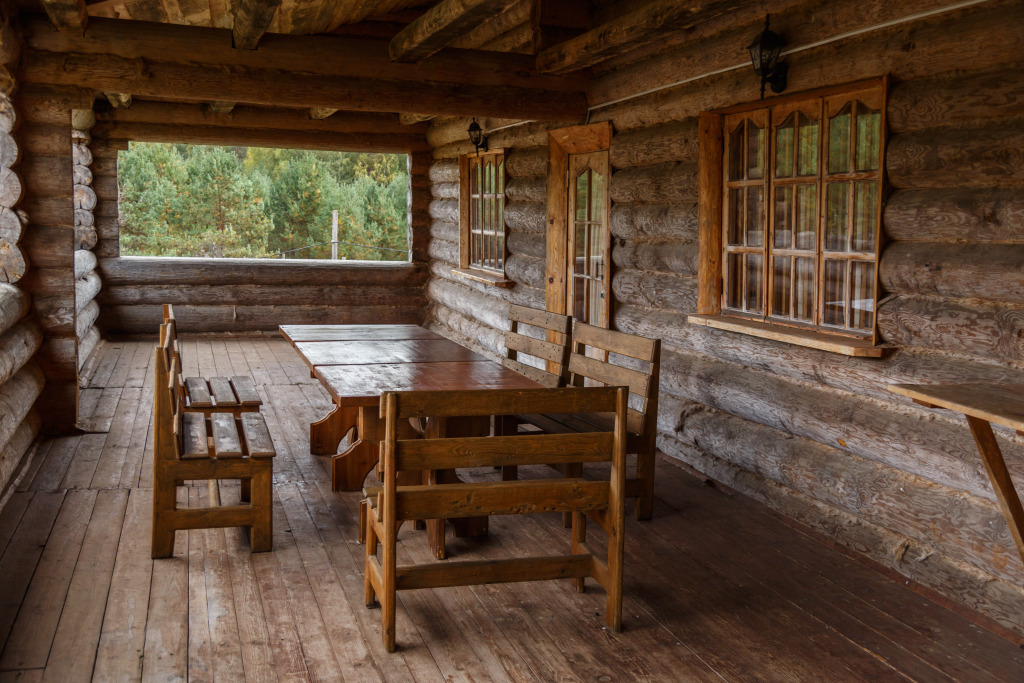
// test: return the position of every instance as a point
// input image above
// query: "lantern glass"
(475, 133)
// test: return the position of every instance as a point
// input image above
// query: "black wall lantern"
(764, 54)
(477, 137)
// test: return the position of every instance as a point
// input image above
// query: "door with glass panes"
(588, 295)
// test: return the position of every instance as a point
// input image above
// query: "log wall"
(87, 280)
(21, 380)
(814, 435)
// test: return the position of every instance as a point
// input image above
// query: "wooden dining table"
(356, 363)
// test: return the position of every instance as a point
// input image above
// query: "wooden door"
(588, 242)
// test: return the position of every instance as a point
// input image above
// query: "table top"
(363, 352)
(998, 403)
(361, 385)
(299, 333)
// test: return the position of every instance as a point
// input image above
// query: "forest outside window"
(800, 212)
(482, 217)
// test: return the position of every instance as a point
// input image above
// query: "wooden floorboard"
(716, 587)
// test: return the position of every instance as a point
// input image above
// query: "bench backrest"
(603, 444)
(642, 383)
(554, 350)
(167, 413)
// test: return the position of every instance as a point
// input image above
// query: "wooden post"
(334, 235)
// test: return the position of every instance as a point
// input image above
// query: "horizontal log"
(51, 104)
(444, 171)
(445, 190)
(143, 270)
(452, 151)
(959, 98)
(954, 214)
(11, 188)
(655, 290)
(525, 135)
(528, 161)
(85, 198)
(157, 78)
(17, 346)
(107, 249)
(81, 155)
(444, 251)
(86, 289)
(947, 456)
(480, 306)
(991, 331)
(50, 246)
(183, 293)
(532, 189)
(8, 115)
(86, 319)
(965, 527)
(472, 334)
(980, 36)
(526, 243)
(17, 446)
(9, 151)
(445, 130)
(666, 257)
(85, 238)
(994, 272)
(16, 398)
(989, 155)
(81, 175)
(105, 187)
(445, 210)
(263, 137)
(48, 176)
(145, 319)
(658, 221)
(86, 344)
(439, 26)
(85, 263)
(56, 314)
(526, 217)
(667, 183)
(13, 265)
(443, 230)
(419, 200)
(48, 211)
(51, 281)
(675, 141)
(14, 305)
(11, 226)
(525, 269)
(44, 140)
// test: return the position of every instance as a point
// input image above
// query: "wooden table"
(356, 371)
(983, 404)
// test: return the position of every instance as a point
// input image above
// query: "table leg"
(349, 469)
(1006, 494)
(326, 434)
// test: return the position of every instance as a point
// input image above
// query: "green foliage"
(184, 200)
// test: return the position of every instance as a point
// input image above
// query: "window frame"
(712, 183)
(467, 268)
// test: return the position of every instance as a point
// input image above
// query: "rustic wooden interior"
(808, 522)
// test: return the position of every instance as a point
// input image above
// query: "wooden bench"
(642, 423)
(554, 353)
(234, 395)
(193, 446)
(601, 500)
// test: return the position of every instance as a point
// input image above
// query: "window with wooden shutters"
(482, 217)
(801, 211)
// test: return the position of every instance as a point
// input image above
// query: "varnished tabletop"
(300, 333)
(384, 351)
(1001, 404)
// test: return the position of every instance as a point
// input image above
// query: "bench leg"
(326, 434)
(164, 502)
(370, 534)
(261, 536)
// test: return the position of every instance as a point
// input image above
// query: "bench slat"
(507, 497)
(193, 436)
(226, 443)
(616, 342)
(611, 375)
(495, 451)
(222, 392)
(245, 389)
(257, 436)
(535, 347)
(543, 377)
(198, 392)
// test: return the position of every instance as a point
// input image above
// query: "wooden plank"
(103, 413)
(425, 402)
(223, 394)
(167, 652)
(995, 466)
(78, 632)
(848, 346)
(492, 571)
(609, 374)
(226, 443)
(193, 437)
(200, 656)
(384, 351)
(299, 333)
(55, 464)
(226, 649)
(251, 20)
(198, 393)
(83, 464)
(440, 25)
(258, 443)
(497, 451)
(245, 389)
(115, 446)
(513, 497)
(1002, 404)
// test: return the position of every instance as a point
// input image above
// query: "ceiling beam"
(334, 56)
(198, 82)
(252, 19)
(261, 137)
(440, 25)
(67, 15)
(630, 31)
(146, 111)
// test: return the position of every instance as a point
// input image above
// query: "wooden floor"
(714, 587)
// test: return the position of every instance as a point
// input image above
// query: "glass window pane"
(834, 304)
(579, 292)
(596, 196)
(734, 230)
(582, 187)
(735, 160)
(474, 248)
(501, 176)
(755, 151)
(862, 305)
(784, 147)
(806, 216)
(869, 135)
(803, 297)
(594, 299)
(755, 282)
(755, 216)
(596, 269)
(781, 285)
(837, 218)
(807, 147)
(580, 261)
(783, 217)
(839, 142)
(733, 280)
(865, 215)
(474, 178)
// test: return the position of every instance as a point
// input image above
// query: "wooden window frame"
(467, 268)
(711, 311)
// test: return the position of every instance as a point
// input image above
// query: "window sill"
(815, 340)
(483, 276)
